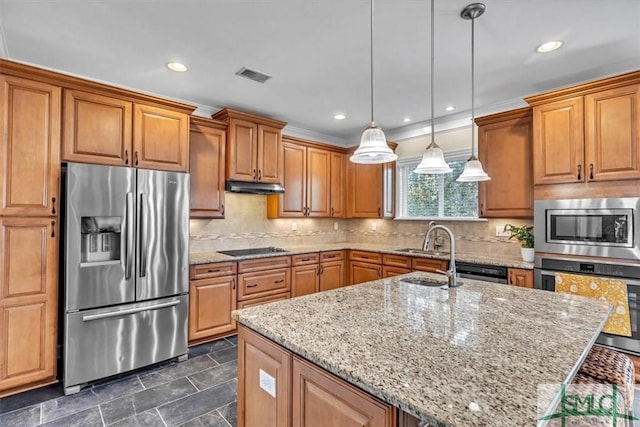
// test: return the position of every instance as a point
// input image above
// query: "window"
(438, 195)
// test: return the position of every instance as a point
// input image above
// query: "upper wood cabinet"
(104, 129)
(30, 152)
(338, 185)
(505, 150)
(207, 160)
(588, 134)
(254, 147)
(364, 193)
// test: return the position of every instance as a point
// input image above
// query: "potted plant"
(524, 235)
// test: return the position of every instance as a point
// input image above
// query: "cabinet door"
(364, 272)
(318, 182)
(505, 150)
(428, 264)
(293, 203)
(207, 158)
(613, 134)
(264, 381)
(331, 275)
(320, 399)
(338, 185)
(97, 129)
(558, 134)
(521, 277)
(269, 154)
(242, 150)
(28, 301)
(30, 153)
(160, 139)
(388, 271)
(211, 302)
(304, 280)
(365, 191)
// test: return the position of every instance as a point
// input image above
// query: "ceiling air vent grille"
(254, 75)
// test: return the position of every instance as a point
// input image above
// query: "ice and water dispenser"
(100, 239)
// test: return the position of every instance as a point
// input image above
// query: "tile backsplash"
(246, 226)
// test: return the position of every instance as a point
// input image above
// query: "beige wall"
(246, 226)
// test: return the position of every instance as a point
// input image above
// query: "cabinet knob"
(126, 157)
(259, 175)
(278, 281)
(481, 209)
(378, 211)
(53, 229)
(136, 154)
(254, 175)
(222, 209)
(590, 170)
(331, 211)
(233, 283)
(53, 205)
(579, 172)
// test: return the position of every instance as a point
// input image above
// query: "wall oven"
(546, 267)
(590, 227)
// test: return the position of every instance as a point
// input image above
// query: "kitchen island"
(468, 356)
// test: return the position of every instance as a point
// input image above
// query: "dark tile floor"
(200, 392)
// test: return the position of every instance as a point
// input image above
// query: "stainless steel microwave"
(590, 227)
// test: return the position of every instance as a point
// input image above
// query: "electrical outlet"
(500, 232)
(374, 226)
(335, 225)
(294, 226)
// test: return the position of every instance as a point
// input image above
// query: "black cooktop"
(254, 251)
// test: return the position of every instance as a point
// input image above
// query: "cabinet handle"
(222, 209)
(481, 209)
(318, 270)
(579, 172)
(53, 229)
(233, 283)
(378, 211)
(259, 175)
(379, 272)
(53, 205)
(126, 157)
(254, 175)
(136, 158)
(305, 259)
(331, 211)
(213, 271)
(278, 281)
(252, 286)
(330, 256)
(590, 170)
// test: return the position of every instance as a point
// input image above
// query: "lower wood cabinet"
(278, 389)
(520, 277)
(389, 271)
(361, 272)
(28, 302)
(305, 280)
(332, 270)
(264, 300)
(429, 265)
(262, 278)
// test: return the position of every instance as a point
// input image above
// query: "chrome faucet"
(425, 244)
(451, 273)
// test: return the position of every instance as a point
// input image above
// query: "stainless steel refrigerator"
(126, 266)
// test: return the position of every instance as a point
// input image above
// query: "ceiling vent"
(256, 76)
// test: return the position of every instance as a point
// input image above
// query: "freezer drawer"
(104, 342)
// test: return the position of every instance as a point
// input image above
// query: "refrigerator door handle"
(143, 235)
(128, 260)
(118, 313)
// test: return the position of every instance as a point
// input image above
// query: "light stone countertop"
(499, 260)
(435, 352)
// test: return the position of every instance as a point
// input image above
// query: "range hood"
(254, 187)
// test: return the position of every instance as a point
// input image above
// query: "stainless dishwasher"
(488, 273)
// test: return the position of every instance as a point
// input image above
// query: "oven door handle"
(629, 282)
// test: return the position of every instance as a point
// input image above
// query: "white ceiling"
(318, 53)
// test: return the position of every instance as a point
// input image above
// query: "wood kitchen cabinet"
(332, 270)
(338, 184)
(505, 149)
(108, 129)
(394, 265)
(208, 140)
(588, 135)
(305, 274)
(429, 265)
(306, 180)
(317, 393)
(212, 298)
(520, 277)
(264, 381)
(254, 147)
(364, 266)
(264, 277)
(365, 191)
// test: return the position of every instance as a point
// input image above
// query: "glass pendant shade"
(373, 147)
(433, 161)
(473, 171)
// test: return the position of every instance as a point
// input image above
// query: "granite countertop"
(469, 356)
(500, 260)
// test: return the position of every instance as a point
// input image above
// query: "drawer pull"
(330, 256)
(252, 286)
(279, 281)
(213, 271)
(305, 259)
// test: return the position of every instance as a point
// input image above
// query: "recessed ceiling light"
(450, 108)
(549, 46)
(406, 120)
(339, 117)
(177, 67)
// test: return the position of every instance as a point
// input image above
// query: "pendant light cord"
(433, 126)
(371, 52)
(473, 127)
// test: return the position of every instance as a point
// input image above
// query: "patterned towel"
(612, 290)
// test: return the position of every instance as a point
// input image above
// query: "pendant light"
(373, 144)
(432, 159)
(473, 168)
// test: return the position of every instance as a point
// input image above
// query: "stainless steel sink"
(422, 282)
(423, 252)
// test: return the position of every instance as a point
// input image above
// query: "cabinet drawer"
(332, 256)
(396, 260)
(305, 259)
(263, 283)
(429, 265)
(264, 300)
(268, 263)
(388, 271)
(206, 271)
(372, 257)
